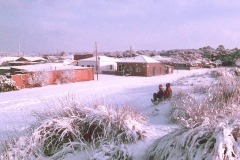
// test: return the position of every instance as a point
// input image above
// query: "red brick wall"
(146, 69)
(159, 69)
(20, 80)
(80, 75)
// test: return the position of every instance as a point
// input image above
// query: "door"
(154, 71)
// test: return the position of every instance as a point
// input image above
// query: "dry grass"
(221, 101)
(71, 126)
(202, 142)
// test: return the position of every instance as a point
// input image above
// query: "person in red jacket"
(168, 91)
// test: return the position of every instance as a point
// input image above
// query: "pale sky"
(42, 26)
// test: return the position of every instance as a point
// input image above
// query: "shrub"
(7, 84)
(65, 76)
(111, 150)
(18, 148)
(38, 79)
(74, 127)
(200, 89)
(222, 100)
(203, 142)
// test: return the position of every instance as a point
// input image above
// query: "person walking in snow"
(160, 94)
(168, 91)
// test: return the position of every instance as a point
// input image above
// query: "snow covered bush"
(38, 79)
(111, 150)
(6, 84)
(222, 99)
(18, 148)
(219, 142)
(75, 127)
(222, 73)
(200, 89)
(65, 76)
(236, 71)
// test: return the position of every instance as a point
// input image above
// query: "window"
(92, 66)
(166, 69)
(138, 69)
(88, 65)
(120, 67)
(82, 65)
(111, 67)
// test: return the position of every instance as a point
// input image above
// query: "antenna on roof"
(19, 48)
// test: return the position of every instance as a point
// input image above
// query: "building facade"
(140, 66)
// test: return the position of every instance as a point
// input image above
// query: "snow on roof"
(68, 57)
(5, 68)
(140, 59)
(3, 59)
(34, 58)
(68, 61)
(102, 59)
(161, 58)
(46, 66)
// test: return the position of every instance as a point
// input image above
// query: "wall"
(146, 69)
(86, 63)
(103, 66)
(159, 69)
(85, 74)
(169, 69)
(20, 80)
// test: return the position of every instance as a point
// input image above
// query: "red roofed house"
(140, 66)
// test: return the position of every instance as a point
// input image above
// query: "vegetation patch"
(75, 127)
(210, 125)
(6, 84)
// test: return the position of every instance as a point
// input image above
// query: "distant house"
(69, 62)
(140, 66)
(82, 56)
(105, 65)
(27, 61)
(5, 70)
(4, 61)
(186, 66)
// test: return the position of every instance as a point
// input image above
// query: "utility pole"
(96, 59)
(130, 51)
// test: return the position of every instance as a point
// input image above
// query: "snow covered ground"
(16, 107)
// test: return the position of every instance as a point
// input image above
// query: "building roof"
(101, 59)
(7, 59)
(31, 59)
(46, 67)
(139, 59)
(161, 58)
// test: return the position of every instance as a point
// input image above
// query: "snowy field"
(17, 107)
